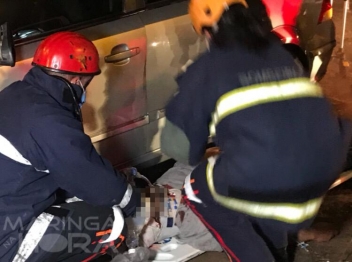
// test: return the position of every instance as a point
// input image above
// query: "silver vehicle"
(143, 45)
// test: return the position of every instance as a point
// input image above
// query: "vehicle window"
(158, 3)
(34, 17)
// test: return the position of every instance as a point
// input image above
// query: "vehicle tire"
(348, 164)
(298, 55)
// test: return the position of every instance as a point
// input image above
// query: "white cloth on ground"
(191, 230)
(175, 176)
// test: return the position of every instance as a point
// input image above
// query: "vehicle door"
(172, 44)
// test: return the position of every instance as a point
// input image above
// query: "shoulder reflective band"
(246, 97)
(291, 213)
(8, 150)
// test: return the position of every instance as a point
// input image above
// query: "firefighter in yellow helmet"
(281, 145)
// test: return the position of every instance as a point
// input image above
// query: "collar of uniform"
(56, 88)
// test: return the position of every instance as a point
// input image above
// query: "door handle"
(120, 53)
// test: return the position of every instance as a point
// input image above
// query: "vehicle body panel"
(117, 96)
(172, 42)
(287, 34)
(124, 111)
(283, 12)
(297, 23)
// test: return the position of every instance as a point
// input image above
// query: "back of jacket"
(274, 149)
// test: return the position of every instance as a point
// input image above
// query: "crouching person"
(43, 148)
(276, 163)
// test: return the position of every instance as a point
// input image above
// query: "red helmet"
(68, 52)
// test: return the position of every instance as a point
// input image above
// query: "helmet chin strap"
(76, 104)
(83, 97)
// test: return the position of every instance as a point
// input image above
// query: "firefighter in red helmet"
(44, 151)
(71, 57)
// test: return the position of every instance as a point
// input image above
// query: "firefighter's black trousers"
(243, 238)
(75, 233)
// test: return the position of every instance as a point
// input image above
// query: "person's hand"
(212, 151)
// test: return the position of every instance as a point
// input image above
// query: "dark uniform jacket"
(38, 125)
(279, 139)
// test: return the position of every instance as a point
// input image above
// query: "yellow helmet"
(207, 13)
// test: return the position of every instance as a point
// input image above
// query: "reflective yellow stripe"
(245, 97)
(286, 212)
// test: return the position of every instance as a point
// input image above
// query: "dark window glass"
(157, 3)
(33, 17)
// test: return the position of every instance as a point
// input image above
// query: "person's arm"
(76, 166)
(186, 131)
(174, 142)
